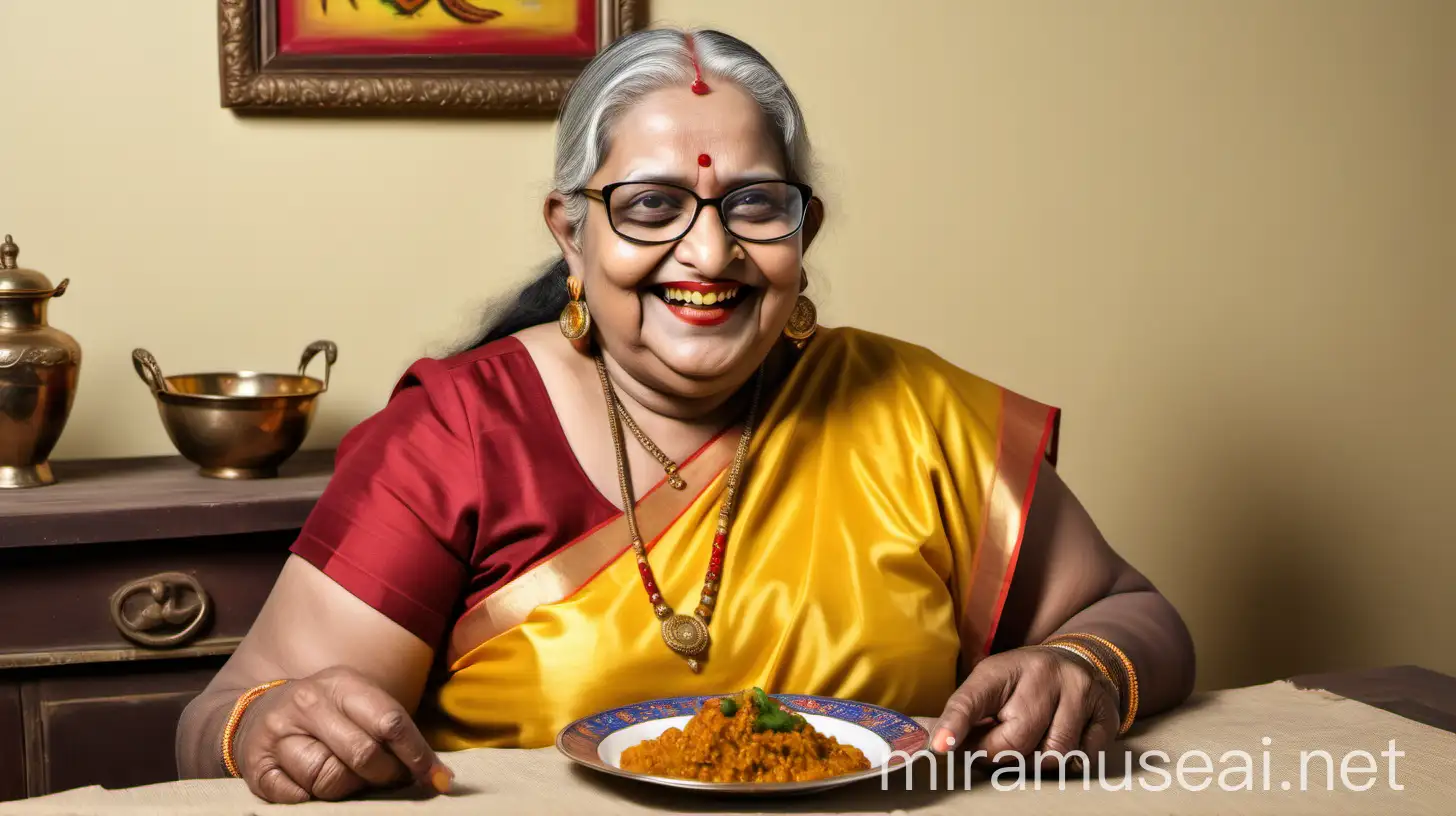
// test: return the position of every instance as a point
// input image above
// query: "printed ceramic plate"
(599, 740)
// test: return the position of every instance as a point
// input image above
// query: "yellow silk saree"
(870, 555)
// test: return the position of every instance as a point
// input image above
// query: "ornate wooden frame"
(255, 78)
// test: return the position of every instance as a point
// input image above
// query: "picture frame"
(411, 57)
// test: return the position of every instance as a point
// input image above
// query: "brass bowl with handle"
(237, 424)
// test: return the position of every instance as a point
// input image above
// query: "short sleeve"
(396, 524)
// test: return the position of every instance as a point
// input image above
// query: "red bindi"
(704, 160)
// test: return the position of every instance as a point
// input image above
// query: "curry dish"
(744, 738)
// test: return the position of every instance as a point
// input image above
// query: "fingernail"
(944, 740)
(441, 777)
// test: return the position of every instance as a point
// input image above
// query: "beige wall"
(1217, 233)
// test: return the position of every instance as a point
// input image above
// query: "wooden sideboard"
(123, 588)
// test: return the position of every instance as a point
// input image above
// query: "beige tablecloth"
(1293, 721)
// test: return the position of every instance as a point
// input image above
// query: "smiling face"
(696, 316)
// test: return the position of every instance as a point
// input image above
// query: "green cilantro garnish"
(770, 716)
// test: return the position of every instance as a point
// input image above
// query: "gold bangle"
(230, 730)
(1108, 660)
(1128, 670)
(1088, 656)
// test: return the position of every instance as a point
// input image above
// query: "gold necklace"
(686, 635)
(674, 478)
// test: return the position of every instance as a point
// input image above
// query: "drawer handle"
(168, 608)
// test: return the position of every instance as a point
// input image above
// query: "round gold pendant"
(686, 634)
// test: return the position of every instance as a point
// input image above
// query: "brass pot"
(39, 365)
(237, 424)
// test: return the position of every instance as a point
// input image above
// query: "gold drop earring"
(575, 322)
(804, 320)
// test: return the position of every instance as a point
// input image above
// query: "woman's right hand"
(329, 736)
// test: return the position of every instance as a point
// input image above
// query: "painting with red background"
(550, 28)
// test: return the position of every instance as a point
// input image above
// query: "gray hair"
(630, 68)
(651, 60)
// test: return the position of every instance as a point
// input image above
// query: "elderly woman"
(656, 475)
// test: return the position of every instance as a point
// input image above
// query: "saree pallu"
(876, 534)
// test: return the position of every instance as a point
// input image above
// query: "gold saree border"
(564, 572)
(1026, 434)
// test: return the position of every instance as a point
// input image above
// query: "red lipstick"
(701, 286)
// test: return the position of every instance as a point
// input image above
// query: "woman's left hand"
(1030, 699)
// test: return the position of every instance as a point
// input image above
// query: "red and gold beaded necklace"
(686, 635)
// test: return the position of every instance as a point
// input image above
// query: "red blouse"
(463, 481)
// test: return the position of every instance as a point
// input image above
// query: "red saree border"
(1044, 450)
(1026, 435)
(561, 575)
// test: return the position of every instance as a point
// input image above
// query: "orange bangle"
(230, 730)
(1089, 656)
(1086, 654)
(1128, 670)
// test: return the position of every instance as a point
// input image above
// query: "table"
(1412, 692)
(1339, 713)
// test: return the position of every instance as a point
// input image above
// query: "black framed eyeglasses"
(655, 212)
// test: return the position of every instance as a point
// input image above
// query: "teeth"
(687, 296)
